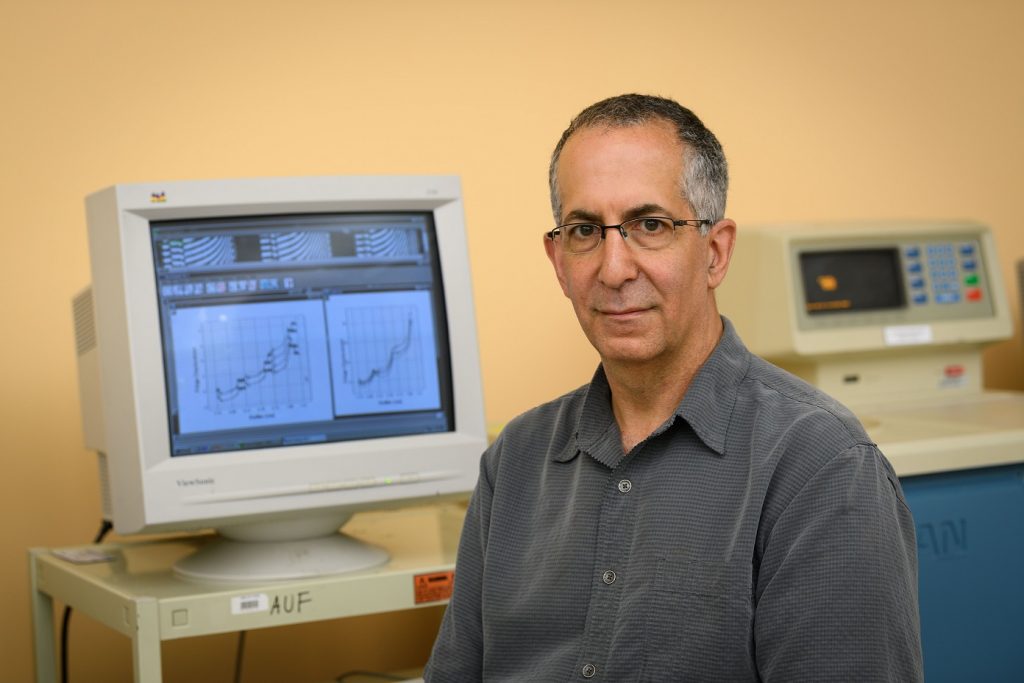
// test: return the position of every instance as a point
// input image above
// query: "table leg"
(146, 642)
(43, 627)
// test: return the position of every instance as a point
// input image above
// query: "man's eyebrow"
(584, 216)
(581, 216)
(645, 210)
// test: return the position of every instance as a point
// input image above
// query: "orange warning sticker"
(433, 587)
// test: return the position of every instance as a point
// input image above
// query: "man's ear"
(721, 240)
(553, 255)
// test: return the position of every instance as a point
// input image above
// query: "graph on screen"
(384, 352)
(246, 364)
(383, 357)
(257, 363)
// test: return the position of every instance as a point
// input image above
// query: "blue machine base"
(970, 545)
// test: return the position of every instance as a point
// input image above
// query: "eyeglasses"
(649, 232)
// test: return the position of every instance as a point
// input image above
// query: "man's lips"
(622, 313)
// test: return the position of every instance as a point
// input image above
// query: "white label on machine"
(905, 335)
(247, 604)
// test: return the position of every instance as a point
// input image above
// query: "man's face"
(634, 305)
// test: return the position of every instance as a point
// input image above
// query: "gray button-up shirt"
(758, 534)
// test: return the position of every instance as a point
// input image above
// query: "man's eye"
(652, 224)
(582, 231)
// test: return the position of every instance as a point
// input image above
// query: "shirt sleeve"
(836, 596)
(458, 651)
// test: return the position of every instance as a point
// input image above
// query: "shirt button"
(589, 670)
(625, 486)
(608, 577)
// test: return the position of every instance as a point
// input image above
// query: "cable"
(65, 623)
(238, 657)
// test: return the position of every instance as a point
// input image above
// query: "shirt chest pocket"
(698, 625)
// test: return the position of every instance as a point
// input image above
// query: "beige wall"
(827, 110)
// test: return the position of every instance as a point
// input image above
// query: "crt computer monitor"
(267, 356)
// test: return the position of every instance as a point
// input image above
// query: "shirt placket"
(609, 572)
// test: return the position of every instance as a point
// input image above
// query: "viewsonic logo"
(157, 197)
(183, 483)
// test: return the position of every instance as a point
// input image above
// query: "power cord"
(238, 657)
(65, 623)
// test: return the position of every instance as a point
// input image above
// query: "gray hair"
(705, 180)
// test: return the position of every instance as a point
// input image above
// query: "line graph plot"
(382, 355)
(245, 365)
(386, 353)
(256, 363)
(397, 350)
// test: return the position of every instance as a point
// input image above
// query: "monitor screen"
(851, 280)
(297, 329)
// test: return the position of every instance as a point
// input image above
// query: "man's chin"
(626, 351)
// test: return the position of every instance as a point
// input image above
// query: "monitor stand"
(280, 550)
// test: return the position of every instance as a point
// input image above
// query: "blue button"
(914, 267)
(967, 250)
(920, 298)
(912, 252)
(917, 283)
(947, 298)
(968, 264)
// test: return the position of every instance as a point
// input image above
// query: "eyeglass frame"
(692, 222)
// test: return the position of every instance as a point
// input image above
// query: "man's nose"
(618, 259)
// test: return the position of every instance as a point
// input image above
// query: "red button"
(973, 294)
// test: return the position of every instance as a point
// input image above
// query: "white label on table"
(905, 335)
(84, 555)
(248, 604)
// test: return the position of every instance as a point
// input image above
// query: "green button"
(970, 280)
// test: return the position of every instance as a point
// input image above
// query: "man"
(694, 513)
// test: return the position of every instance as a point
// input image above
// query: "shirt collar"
(711, 397)
(597, 433)
(707, 406)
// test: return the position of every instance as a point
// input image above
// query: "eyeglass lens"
(644, 233)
